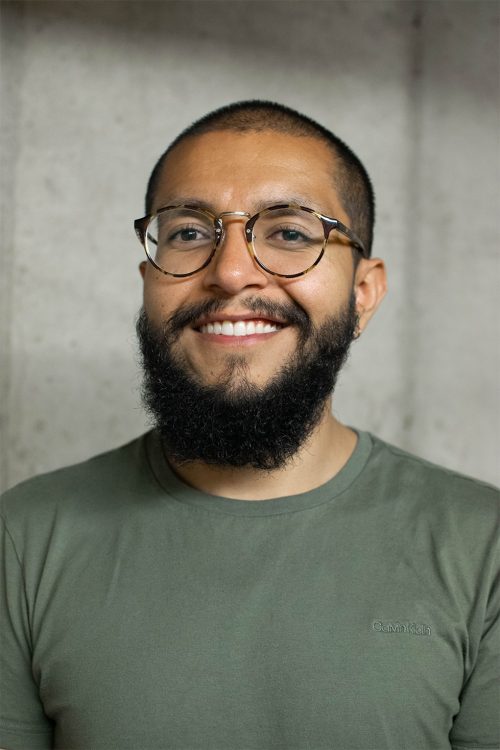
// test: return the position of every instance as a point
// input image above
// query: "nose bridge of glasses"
(221, 228)
(234, 213)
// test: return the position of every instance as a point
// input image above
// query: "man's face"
(228, 171)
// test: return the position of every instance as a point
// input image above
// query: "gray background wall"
(92, 93)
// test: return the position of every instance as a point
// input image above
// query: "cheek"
(162, 295)
(155, 298)
(324, 291)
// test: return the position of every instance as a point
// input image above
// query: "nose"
(233, 267)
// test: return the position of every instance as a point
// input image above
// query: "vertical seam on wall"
(409, 335)
(11, 75)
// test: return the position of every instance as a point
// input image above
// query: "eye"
(287, 236)
(291, 235)
(183, 236)
(187, 234)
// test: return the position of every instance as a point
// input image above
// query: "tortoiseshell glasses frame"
(328, 223)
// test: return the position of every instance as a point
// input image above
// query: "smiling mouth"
(240, 327)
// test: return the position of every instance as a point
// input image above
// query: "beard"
(235, 423)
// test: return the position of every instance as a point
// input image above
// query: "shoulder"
(439, 519)
(107, 474)
(431, 487)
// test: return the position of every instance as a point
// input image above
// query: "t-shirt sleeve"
(477, 725)
(23, 723)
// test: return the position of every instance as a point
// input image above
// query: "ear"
(370, 287)
(142, 268)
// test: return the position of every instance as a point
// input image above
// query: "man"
(252, 574)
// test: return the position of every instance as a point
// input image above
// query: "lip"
(219, 339)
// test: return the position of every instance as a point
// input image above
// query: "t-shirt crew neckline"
(185, 494)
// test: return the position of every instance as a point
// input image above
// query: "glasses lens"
(180, 240)
(288, 240)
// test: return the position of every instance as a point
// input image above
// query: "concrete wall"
(92, 93)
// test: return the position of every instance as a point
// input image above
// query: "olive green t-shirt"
(139, 613)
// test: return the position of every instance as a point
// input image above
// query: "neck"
(323, 455)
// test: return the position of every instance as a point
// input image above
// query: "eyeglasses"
(285, 240)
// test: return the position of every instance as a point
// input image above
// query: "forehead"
(229, 170)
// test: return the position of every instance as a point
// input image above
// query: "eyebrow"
(299, 200)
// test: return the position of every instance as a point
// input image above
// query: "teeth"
(239, 328)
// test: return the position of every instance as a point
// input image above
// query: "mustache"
(291, 313)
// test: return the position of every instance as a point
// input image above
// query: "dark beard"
(241, 424)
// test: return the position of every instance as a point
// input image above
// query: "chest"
(221, 642)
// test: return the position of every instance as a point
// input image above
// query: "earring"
(357, 329)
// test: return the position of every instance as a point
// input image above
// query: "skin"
(231, 171)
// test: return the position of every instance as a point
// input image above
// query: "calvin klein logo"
(411, 628)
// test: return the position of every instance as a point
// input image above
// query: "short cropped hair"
(350, 176)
